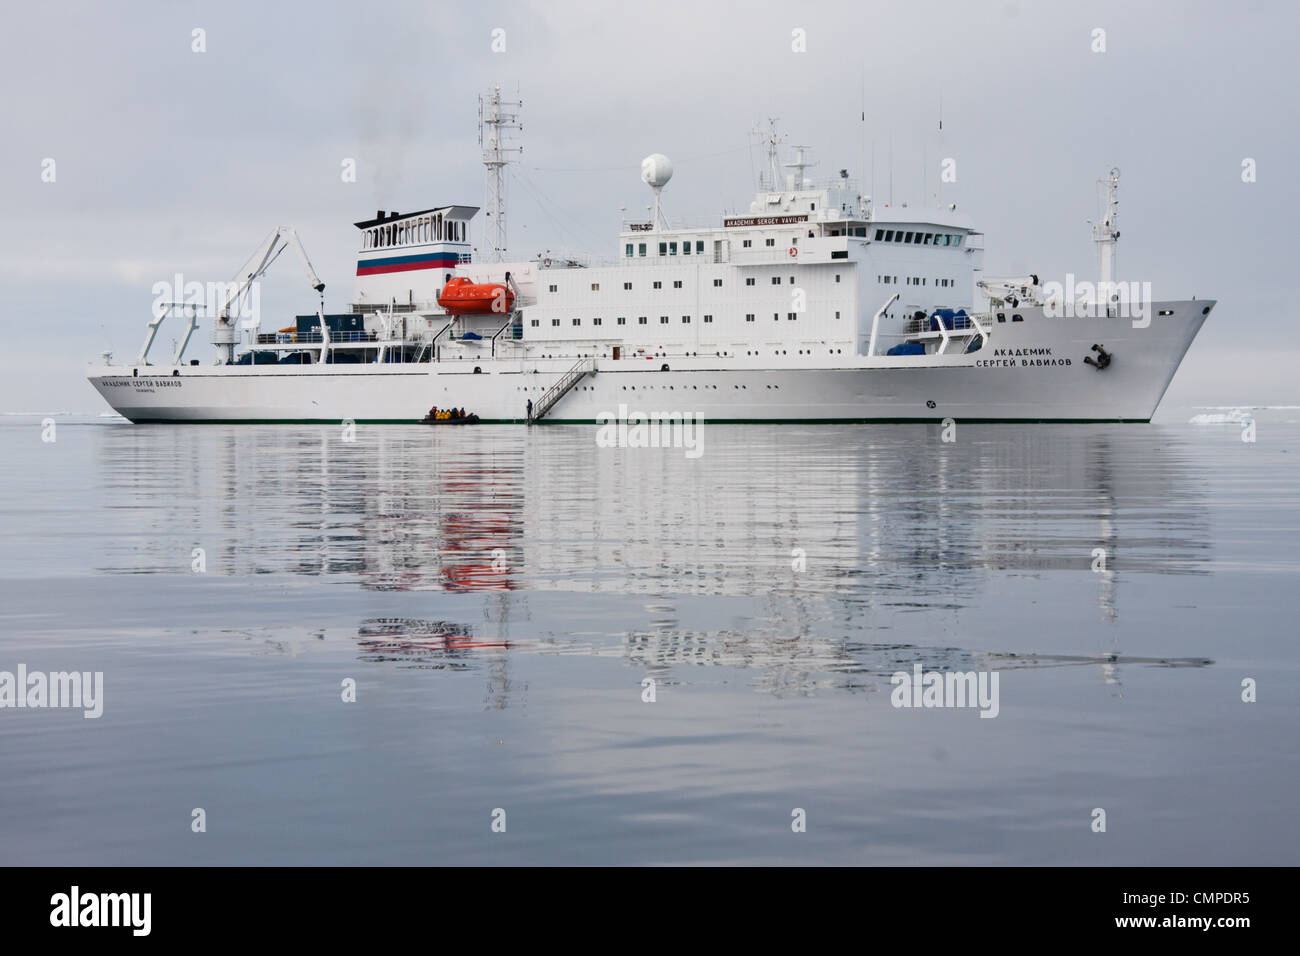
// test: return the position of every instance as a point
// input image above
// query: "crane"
(224, 333)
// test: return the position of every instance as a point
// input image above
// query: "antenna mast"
(771, 181)
(497, 119)
(1104, 232)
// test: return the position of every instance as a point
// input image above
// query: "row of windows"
(916, 280)
(918, 238)
(663, 319)
(666, 248)
(670, 247)
(424, 229)
(677, 283)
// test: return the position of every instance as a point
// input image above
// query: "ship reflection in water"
(646, 657)
(810, 558)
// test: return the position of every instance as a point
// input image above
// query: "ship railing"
(316, 338)
(957, 323)
(371, 308)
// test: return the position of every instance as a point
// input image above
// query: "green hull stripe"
(710, 421)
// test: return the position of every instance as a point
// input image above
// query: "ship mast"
(497, 119)
(1104, 232)
(771, 182)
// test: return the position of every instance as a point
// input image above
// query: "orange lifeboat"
(460, 296)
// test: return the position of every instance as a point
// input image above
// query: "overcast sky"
(167, 160)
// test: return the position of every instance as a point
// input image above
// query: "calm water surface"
(499, 595)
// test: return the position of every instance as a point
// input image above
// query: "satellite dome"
(656, 170)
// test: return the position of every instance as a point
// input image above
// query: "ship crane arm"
(224, 334)
(266, 253)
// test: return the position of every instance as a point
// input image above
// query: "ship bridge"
(406, 258)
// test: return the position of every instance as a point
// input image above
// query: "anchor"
(1102, 359)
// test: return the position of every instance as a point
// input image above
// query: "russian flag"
(424, 260)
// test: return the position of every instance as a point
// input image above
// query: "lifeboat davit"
(460, 296)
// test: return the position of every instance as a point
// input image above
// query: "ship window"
(627, 250)
(555, 321)
(880, 234)
(776, 280)
(907, 237)
(663, 320)
(686, 248)
(776, 316)
(658, 284)
(536, 323)
(597, 321)
(672, 248)
(677, 283)
(790, 316)
(1166, 312)
(749, 316)
(553, 288)
(956, 240)
(686, 320)
(916, 241)
(699, 247)
(717, 283)
(622, 320)
(769, 242)
(837, 277)
(929, 238)
(641, 249)
(812, 206)
(663, 248)
(889, 235)
(747, 243)
(708, 318)
(577, 321)
(1002, 316)
(1017, 317)
(792, 280)
(749, 281)
(595, 287)
(640, 320)
(837, 315)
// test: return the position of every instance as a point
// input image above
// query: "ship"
(817, 304)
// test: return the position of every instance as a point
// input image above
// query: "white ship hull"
(1028, 371)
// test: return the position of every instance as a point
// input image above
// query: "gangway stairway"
(561, 388)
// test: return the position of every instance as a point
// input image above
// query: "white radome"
(656, 170)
